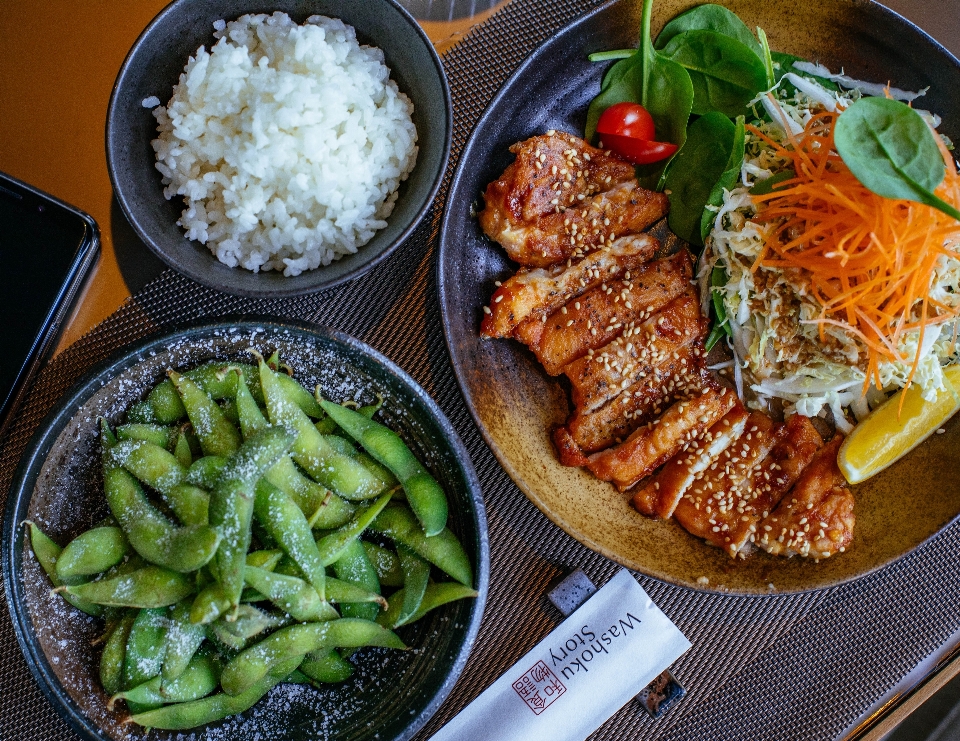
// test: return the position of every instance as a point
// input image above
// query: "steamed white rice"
(287, 143)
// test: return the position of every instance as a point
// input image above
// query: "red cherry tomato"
(638, 151)
(627, 119)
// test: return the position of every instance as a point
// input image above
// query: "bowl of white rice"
(277, 150)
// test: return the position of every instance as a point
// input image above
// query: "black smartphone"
(47, 249)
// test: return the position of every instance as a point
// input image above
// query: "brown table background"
(58, 60)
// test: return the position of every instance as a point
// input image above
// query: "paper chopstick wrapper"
(578, 676)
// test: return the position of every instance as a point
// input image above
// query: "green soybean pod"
(291, 594)
(245, 624)
(210, 603)
(354, 567)
(205, 472)
(326, 666)
(46, 551)
(416, 576)
(321, 507)
(183, 639)
(434, 596)
(198, 679)
(146, 646)
(252, 664)
(286, 524)
(386, 563)
(425, 495)
(232, 503)
(186, 715)
(151, 586)
(218, 436)
(332, 546)
(161, 470)
(141, 413)
(182, 452)
(340, 473)
(343, 591)
(299, 395)
(114, 652)
(91, 552)
(160, 435)
(443, 550)
(164, 403)
(151, 534)
(265, 559)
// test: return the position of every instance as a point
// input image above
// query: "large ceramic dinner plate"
(515, 403)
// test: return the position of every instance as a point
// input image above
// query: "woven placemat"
(781, 667)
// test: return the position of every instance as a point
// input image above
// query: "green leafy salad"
(825, 208)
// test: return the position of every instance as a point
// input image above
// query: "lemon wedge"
(888, 433)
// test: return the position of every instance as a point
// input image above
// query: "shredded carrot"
(867, 260)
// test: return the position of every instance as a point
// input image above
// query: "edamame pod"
(256, 662)
(442, 550)
(151, 534)
(217, 434)
(216, 379)
(386, 563)
(327, 667)
(151, 586)
(246, 624)
(416, 576)
(183, 639)
(160, 469)
(205, 472)
(286, 524)
(182, 452)
(46, 551)
(321, 507)
(198, 679)
(114, 651)
(291, 594)
(426, 497)
(91, 552)
(146, 646)
(343, 591)
(434, 596)
(231, 503)
(142, 413)
(157, 434)
(332, 546)
(354, 567)
(186, 715)
(340, 473)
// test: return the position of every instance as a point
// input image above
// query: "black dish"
(393, 694)
(153, 66)
(515, 403)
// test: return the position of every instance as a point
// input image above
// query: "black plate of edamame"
(59, 486)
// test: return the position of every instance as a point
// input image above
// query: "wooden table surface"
(58, 61)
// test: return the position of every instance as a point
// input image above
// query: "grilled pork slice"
(651, 446)
(535, 293)
(600, 376)
(815, 519)
(660, 496)
(575, 199)
(680, 377)
(599, 315)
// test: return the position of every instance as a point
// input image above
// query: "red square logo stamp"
(539, 687)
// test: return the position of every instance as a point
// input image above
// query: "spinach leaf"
(709, 18)
(728, 180)
(698, 168)
(763, 187)
(725, 73)
(660, 85)
(891, 150)
(623, 83)
(721, 324)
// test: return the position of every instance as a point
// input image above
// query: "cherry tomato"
(627, 119)
(638, 151)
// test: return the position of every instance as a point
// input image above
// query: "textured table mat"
(783, 667)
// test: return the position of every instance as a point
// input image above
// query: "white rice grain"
(286, 142)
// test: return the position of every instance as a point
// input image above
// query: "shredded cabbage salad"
(779, 358)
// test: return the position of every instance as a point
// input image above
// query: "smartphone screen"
(42, 250)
